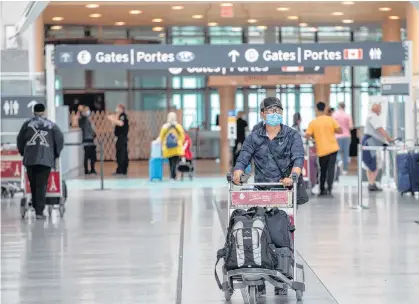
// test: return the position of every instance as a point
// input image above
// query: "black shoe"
(86, 172)
(322, 193)
(41, 217)
(281, 291)
(374, 188)
(116, 173)
(93, 172)
(329, 194)
(262, 289)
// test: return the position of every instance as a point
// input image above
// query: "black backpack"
(248, 242)
(280, 228)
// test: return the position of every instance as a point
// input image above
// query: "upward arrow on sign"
(233, 54)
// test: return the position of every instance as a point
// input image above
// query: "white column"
(412, 14)
(50, 81)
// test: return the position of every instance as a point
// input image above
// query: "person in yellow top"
(324, 129)
(172, 137)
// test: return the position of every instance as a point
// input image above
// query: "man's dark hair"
(39, 109)
(342, 105)
(321, 106)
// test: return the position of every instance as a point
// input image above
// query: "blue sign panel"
(164, 57)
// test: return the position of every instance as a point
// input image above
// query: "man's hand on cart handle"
(237, 176)
(289, 181)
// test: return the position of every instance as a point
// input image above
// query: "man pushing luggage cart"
(278, 155)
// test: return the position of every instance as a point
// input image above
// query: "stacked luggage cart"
(11, 171)
(287, 273)
(56, 192)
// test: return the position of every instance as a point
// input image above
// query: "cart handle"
(294, 176)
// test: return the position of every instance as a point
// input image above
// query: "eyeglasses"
(273, 110)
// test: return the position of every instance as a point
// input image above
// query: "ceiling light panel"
(92, 5)
(337, 14)
(95, 15)
(177, 7)
(57, 19)
(135, 12)
(197, 16)
(293, 17)
(283, 9)
(157, 20)
(385, 9)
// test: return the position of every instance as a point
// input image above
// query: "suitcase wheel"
(299, 295)
(23, 207)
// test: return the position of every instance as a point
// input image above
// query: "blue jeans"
(344, 144)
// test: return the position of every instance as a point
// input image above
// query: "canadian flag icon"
(352, 54)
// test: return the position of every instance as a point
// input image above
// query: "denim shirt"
(273, 159)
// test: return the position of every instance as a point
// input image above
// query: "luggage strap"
(224, 285)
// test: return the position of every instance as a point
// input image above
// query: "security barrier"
(144, 127)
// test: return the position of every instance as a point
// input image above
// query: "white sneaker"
(345, 172)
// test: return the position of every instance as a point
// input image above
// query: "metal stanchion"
(102, 160)
(359, 205)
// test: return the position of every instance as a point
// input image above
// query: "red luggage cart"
(56, 192)
(11, 171)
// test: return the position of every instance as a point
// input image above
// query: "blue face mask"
(273, 119)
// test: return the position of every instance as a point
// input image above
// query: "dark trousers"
(327, 171)
(38, 180)
(89, 156)
(173, 161)
(122, 154)
(235, 152)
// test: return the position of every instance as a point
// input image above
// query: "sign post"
(232, 128)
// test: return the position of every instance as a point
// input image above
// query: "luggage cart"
(11, 171)
(248, 279)
(56, 192)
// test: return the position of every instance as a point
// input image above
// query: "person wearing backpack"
(172, 137)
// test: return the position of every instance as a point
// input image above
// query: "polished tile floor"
(158, 244)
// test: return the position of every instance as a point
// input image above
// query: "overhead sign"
(395, 89)
(331, 75)
(163, 57)
(395, 85)
(291, 70)
(226, 12)
(19, 106)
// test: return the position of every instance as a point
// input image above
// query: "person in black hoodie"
(40, 142)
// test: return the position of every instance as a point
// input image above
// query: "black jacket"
(40, 142)
(87, 129)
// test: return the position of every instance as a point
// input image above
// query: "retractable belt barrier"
(101, 153)
(361, 148)
(101, 160)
